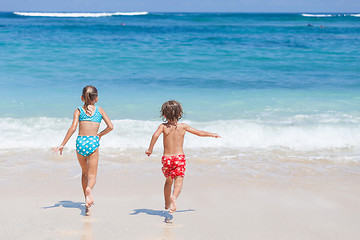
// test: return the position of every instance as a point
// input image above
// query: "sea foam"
(316, 15)
(54, 14)
(44, 133)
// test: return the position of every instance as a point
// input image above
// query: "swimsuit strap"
(96, 117)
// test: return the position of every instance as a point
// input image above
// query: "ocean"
(279, 88)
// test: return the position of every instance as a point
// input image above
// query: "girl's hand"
(99, 137)
(59, 148)
(148, 152)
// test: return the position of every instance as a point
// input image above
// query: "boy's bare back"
(173, 138)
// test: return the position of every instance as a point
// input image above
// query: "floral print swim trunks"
(173, 166)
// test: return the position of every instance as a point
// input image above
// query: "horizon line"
(240, 12)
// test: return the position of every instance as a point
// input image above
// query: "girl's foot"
(167, 205)
(172, 204)
(88, 199)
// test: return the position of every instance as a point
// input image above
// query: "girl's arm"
(69, 133)
(154, 138)
(109, 124)
(201, 133)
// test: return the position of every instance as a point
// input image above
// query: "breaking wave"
(67, 14)
(316, 15)
(48, 132)
(331, 15)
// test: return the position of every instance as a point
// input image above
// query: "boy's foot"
(172, 204)
(87, 211)
(88, 199)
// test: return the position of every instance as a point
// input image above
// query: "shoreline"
(276, 165)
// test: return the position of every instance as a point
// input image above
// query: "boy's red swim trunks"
(173, 166)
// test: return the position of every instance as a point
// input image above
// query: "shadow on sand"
(70, 204)
(161, 213)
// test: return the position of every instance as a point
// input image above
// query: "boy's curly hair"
(171, 111)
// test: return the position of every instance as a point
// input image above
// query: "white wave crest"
(130, 13)
(316, 15)
(355, 15)
(50, 14)
(44, 133)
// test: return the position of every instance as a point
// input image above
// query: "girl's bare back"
(88, 128)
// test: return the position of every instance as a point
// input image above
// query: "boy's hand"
(215, 135)
(148, 152)
(59, 148)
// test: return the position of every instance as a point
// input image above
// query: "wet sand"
(39, 204)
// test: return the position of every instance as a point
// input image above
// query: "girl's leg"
(167, 191)
(84, 171)
(92, 166)
(178, 183)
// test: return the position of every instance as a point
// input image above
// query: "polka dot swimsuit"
(86, 145)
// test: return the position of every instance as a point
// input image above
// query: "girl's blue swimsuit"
(96, 117)
(86, 145)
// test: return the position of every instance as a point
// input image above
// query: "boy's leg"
(92, 164)
(167, 191)
(178, 183)
(84, 171)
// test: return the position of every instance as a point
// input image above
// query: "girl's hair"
(89, 95)
(171, 111)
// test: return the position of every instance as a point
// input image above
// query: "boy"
(173, 159)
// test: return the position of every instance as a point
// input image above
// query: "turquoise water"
(264, 81)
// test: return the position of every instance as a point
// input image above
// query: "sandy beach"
(45, 202)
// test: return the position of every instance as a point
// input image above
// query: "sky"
(311, 6)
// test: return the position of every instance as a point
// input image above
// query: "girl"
(88, 117)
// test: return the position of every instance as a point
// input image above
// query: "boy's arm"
(154, 138)
(69, 133)
(200, 133)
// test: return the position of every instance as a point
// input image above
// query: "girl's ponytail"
(89, 94)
